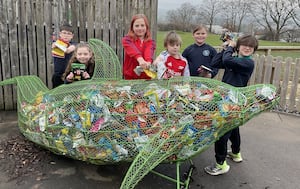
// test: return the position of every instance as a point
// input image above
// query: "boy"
(199, 55)
(171, 63)
(62, 50)
(238, 70)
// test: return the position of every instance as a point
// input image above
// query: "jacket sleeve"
(149, 50)
(186, 71)
(214, 69)
(217, 60)
(235, 63)
(130, 47)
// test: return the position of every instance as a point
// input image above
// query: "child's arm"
(149, 47)
(186, 71)
(217, 60)
(70, 49)
(235, 63)
(160, 64)
(131, 49)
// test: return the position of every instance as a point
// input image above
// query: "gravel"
(20, 157)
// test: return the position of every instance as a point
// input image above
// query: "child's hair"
(90, 65)
(66, 27)
(247, 40)
(200, 27)
(134, 18)
(172, 38)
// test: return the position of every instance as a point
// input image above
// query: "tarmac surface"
(270, 149)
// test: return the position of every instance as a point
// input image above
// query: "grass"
(214, 40)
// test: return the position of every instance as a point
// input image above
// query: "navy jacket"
(238, 70)
(200, 55)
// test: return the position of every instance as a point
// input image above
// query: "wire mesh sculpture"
(107, 120)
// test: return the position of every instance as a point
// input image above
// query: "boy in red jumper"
(170, 63)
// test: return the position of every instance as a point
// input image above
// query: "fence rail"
(283, 73)
(268, 49)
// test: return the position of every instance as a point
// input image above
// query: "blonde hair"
(200, 27)
(172, 38)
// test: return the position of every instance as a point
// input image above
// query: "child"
(171, 63)
(62, 50)
(200, 54)
(138, 48)
(81, 65)
(238, 70)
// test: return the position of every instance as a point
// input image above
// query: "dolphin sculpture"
(107, 120)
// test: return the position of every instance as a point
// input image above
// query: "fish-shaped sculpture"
(147, 122)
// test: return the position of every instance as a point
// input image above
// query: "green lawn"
(214, 40)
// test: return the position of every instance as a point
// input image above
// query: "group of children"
(72, 62)
(198, 59)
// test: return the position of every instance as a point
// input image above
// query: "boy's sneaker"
(217, 169)
(235, 157)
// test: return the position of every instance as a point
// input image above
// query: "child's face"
(139, 28)
(173, 49)
(245, 50)
(200, 36)
(66, 35)
(83, 55)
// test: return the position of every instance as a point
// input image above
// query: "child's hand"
(86, 75)
(203, 72)
(70, 76)
(143, 63)
(231, 43)
(53, 45)
(70, 49)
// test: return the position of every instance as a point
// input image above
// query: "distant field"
(214, 40)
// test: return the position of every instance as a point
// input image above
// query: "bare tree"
(208, 11)
(182, 18)
(274, 15)
(296, 14)
(235, 11)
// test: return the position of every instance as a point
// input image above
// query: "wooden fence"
(26, 28)
(284, 74)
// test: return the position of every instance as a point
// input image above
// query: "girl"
(81, 65)
(138, 48)
(171, 63)
(199, 55)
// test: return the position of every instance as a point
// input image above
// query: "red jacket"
(133, 49)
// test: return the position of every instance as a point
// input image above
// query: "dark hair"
(66, 27)
(172, 38)
(247, 40)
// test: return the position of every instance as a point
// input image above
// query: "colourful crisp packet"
(60, 49)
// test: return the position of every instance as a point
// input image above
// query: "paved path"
(270, 147)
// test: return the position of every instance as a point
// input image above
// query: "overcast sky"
(173, 4)
(165, 5)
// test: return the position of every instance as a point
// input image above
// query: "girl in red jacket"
(138, 47)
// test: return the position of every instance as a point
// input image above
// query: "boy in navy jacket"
(238, 70)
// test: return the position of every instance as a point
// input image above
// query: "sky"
(173, 4)
(165, 5)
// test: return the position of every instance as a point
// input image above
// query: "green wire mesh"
(108, 120)
(107, 62)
